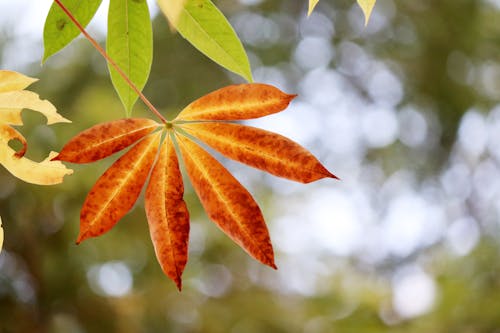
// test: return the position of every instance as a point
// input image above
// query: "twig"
(112, 62)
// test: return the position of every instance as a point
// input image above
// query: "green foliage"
(59, 31)
(204, 26)
(130, 45)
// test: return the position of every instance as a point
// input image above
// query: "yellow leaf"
(312, 4)
(16, 101)
(1, 235)
(11, 81)
(46, 172)
(173, 10)
(367, 7)
(13, 99)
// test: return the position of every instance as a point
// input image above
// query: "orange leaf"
(167, 213)
(116, 191)
(102, 140)
(236, 102)
(261, 149)
(227, 202)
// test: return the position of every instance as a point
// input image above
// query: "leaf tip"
(178, 283)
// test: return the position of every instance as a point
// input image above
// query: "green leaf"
(59, 31)
(367, 7)
(130, 45)
(312, 4)
(204, 26)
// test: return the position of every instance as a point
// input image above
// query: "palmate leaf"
(227, 203)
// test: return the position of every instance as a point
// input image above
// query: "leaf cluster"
(228, 204)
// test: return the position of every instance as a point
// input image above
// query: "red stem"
(111, 61)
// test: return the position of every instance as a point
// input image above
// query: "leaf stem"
(111, 61)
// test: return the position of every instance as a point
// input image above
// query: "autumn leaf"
(261, 149)
(312, 4)
(167, 213)
(172, 9)
(116, 191)
(367, 7)
(1, 235)
(237, 102)
(105, 139)
(13, 99)
(227, 203)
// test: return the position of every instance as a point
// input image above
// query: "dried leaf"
(367, 7)
(47, 172)
(1, 235)
(12, 101)
(12, 81)
(103, 140)
(227, 202)
(261, 149)
(172, 9)
(236, 102)
(116, 191)
(167, 213)
(312, 4)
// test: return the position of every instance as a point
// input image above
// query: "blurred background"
(406, 111)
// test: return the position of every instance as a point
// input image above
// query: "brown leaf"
(116, 191)
(103, 140)
(261, 149)
(227, 202)
(236, 102)
(167, 213)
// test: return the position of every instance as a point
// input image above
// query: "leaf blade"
(15, 101)
(206, 28)
(116, 191)
(167, 213)
(237, 102)
(130, 44)
(47, 172)
(103, 140)
(367, 7)
(12, 81)
(260, 149)
(227, 202)
(1, 235)
(312, 4)
(59, 31)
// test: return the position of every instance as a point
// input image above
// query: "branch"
(111, 61)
